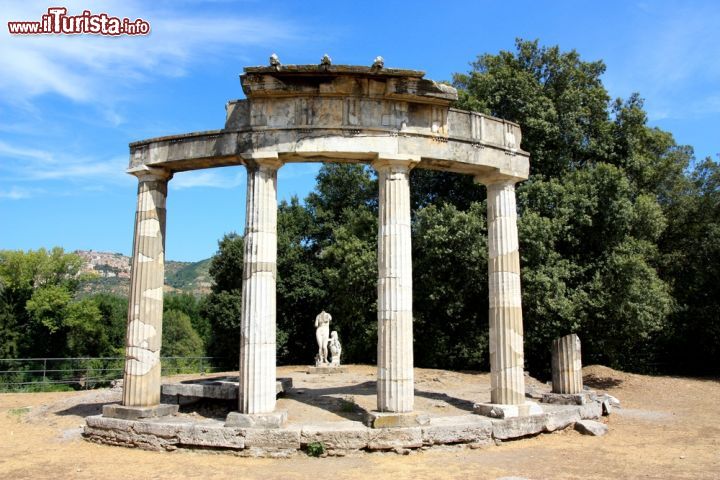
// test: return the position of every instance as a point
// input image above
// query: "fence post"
(202, 370)
(44, 370)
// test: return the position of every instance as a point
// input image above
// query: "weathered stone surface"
(211, 437)
(220, 388)
(135, 413)
(591, 427)
(567, 365)
(518, 427)
(465, 429)
(273, 439)
(591, 410)
(375, 419)
(349, 114)
(336, 435)
(566, 398)
(274, 419)
(495, 410)
(391, 438)
(561, 417)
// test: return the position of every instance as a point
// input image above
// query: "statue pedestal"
(326, 370)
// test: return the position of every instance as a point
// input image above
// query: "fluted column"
(395, 384)
(141, 386)
(567, 365)
(257, 325)
(506, 327)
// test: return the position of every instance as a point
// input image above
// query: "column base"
(136, 413)
(394, 419)
(497, 410)
(274, 419)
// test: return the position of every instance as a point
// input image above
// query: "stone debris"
(591, 427)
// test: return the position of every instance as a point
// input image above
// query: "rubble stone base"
(341, 437)
(274, 419)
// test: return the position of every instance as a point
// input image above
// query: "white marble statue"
(335, 349)
(322, 335)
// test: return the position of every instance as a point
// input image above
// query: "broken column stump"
(567, 365)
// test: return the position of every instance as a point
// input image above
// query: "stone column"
(395, 385)
(567, 365)
(257, 325)
(141, 386)
(507, 381)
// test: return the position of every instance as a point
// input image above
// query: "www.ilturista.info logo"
(57, 21)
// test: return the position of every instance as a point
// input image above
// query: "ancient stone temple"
(394, 120)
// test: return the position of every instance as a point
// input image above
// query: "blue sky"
(69, 105)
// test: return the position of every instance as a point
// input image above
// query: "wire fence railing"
(42, 374)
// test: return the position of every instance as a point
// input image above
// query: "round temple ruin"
(393, 120)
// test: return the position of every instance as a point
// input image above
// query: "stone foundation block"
(566, 398)
(591, 410)
(272, 439)
(496, 410)
(212, 437)
(274, 419)
(562, 417)
(392, 438)
(135, 413)
(394, 420)
(465, 429)
(336, 435)
(518, 426)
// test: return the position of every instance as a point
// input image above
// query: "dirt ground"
(667, 428)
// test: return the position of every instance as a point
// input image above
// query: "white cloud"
(93, 68)
(17, 193)
(28, 165)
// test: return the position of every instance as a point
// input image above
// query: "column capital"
(390, 161)
(263, 159)
(150, 174)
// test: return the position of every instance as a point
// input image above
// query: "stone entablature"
(314, 113)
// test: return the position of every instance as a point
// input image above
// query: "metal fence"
(40, 374)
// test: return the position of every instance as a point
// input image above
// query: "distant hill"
(110, 273)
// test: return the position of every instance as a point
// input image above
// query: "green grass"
(315, 449)
(18, 412)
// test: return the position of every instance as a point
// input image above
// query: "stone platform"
(172, 432)
(334, 411)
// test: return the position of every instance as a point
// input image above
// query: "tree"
(222, 308)
(450, 287)
(179, 338)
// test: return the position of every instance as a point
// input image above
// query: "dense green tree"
(450, 287)
(37, 293)
(190, 306)
(179, 337)
(222, 308)
(691, 260)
